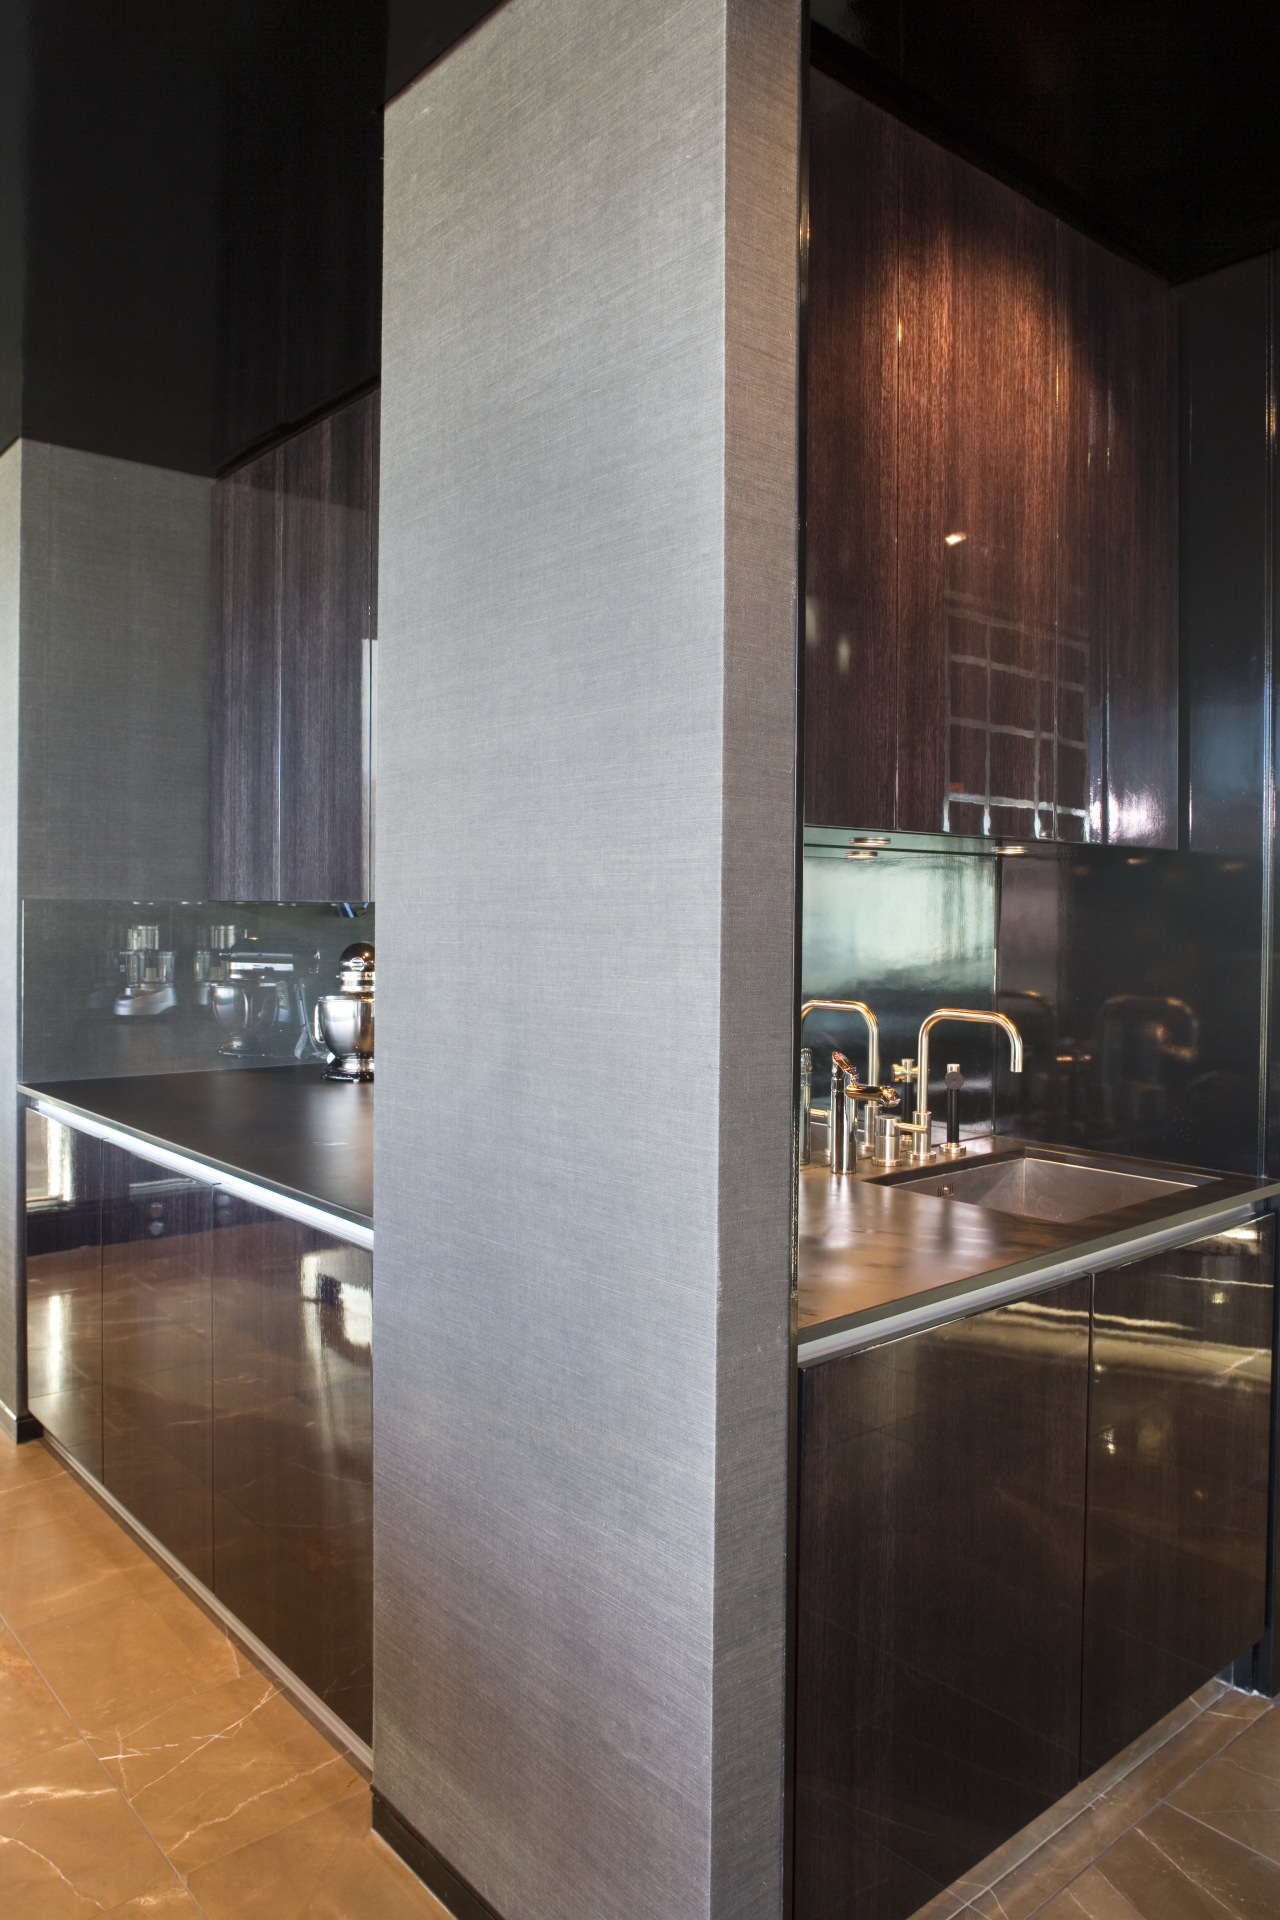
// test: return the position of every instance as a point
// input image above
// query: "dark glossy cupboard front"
(293, 1427)
(941, 1533)
(991, 574)
(295, 576)
(209, 1362)
(1179, 1423)
(1022, 1538)
(64, 1286)
(157, 1315)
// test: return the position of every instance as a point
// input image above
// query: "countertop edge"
(353, 1227)
(827, 1339)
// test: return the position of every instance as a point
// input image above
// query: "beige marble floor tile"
(70, 1847)
(55, 1569)
(1238, 1793)
(328, 1867)
(223, 1768)
(38, 1501)
(20, 1465)
(170, 1903)
(31, 1721)
(112, 1664)
(217, 1653)
(1092, 1897)
(1171, 1867)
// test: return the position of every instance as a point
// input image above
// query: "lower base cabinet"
(1179, 1451)
(209, 1362)
(293, 1448)
(1022, 1538)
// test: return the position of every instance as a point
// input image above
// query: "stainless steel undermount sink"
(1037, 1187)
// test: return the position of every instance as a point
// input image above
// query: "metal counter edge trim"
(965, 1297)
(209, 1173)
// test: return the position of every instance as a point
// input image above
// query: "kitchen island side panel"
(585, 847)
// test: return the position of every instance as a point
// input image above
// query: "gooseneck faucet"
(919, 1131)
(873, 1028)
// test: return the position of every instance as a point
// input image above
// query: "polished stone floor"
(146, 1768)
(1183, 1826)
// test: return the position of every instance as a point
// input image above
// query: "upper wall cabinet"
(295, 569)
(991, 612)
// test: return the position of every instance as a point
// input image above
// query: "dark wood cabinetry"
(209, 1362)
(991, 617)
(293, 1414)
(1179, 1423)
(295, 564)
(156, 1353)
(941, 1533)
(64, 1287)
(1023, 1537)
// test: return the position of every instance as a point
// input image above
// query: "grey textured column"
(585, 859)
(12, 1324)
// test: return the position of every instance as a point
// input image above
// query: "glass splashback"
(130, 987)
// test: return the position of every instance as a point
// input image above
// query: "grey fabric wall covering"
(586, 956)
(12, 1323)
(115, 677)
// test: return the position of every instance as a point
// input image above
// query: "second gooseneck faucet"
(885, 1136)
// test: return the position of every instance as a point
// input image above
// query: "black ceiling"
(1153, 123)
(190, 190)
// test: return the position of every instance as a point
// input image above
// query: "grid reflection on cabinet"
(1017, 755)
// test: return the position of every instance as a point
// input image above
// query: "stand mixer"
(343, 1021)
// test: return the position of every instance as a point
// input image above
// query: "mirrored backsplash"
(1134, 978)
(114, 987)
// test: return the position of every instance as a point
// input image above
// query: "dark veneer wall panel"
(295, 565)
(851, 590)
(992, 505)
(64, 1287)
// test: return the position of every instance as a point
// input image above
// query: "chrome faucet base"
(953, 1150)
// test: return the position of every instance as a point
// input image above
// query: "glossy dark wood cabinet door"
(975, 500)
(992, 505)
(296, 595)
(1179, 1460)
(64, 1286)
(157, 1362)
(244, 757)
(293, 1493)
(328, 545)
(851, 584)
(940, 1543)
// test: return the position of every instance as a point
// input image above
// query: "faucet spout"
(872, 1024)
(970, 1016)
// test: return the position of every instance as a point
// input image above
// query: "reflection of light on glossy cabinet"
(209, 1362)
(991, 616)
(1022, 1538)
(293, 1419)
(64, 1287)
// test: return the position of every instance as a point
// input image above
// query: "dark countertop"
(287, 1129)
(870, 1254)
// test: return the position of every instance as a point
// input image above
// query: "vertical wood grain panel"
(975, 464)
(851, 655)
(244, 764)
(326, 616)
(1140, 556)
(940, 1551)
(295, 545)
(1176, 1571)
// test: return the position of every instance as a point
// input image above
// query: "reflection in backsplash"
(907, 930)
(127, 987)
(1134, 979)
